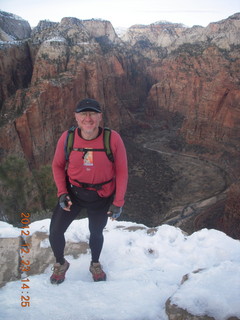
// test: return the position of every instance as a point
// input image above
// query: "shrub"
(24, 191)
(46, 187)
(18, 193)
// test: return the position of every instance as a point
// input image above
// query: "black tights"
(97, 208)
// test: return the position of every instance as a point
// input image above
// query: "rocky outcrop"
(161, 34)
(36, 249)
(175, 311)
(100, 29)
(13, 27)
(223, 34)
(39, 256)
(9, 262)
(229, 223)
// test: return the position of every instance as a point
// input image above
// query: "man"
(90, 181)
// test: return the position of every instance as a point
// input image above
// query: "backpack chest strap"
(86, 150)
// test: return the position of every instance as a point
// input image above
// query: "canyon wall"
(45, 74)
(151, 71)
(66, 64)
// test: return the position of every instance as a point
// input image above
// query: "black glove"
(114, 212)
(65, 201)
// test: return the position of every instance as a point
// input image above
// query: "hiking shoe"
(59, 271)
(97, 272)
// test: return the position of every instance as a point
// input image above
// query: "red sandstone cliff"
(190, 71)
(69, 65)
(203, 86)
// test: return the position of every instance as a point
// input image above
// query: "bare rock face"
(158, 34)
(168, 35)
(230, 221)
(54, 49)
(15, 68)
(198, 84)
(13, 27)
(41, 257)
(101, 29)
(61, 47)
(9, 262)
(224, 34)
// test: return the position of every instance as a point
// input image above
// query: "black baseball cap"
(88, 105)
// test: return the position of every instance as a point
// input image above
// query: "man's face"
(88, 121)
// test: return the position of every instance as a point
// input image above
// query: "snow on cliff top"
(143, 270)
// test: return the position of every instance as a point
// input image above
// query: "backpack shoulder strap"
(106, 140)
(107, 145)
(69, 142)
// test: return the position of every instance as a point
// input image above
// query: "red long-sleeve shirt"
(94, 168)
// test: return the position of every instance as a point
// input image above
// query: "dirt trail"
(200, 183)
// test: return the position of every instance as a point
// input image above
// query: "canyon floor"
(179, 185)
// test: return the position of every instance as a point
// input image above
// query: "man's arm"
(121, 170)
(59, 166)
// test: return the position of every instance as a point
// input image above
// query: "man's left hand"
(114, 212)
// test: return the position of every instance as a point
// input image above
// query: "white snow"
(8, 231)
(120, 31)
(10, 16)
(143, 270)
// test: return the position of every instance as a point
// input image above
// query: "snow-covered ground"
(143, 271)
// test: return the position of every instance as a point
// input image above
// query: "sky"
(143, 271)
(124, 13)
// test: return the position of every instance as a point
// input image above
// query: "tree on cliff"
(15, 188)
(23, 191)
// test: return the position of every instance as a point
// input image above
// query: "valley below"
(186, 184)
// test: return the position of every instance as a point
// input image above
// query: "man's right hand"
(65, 202)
